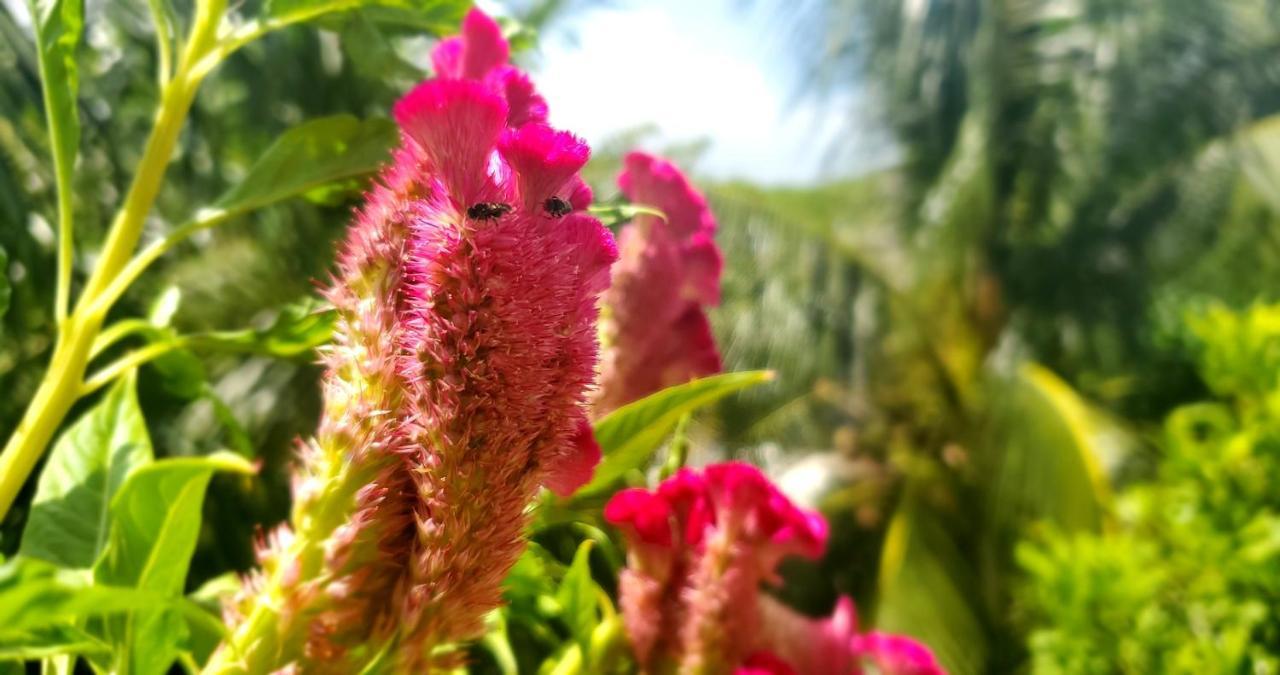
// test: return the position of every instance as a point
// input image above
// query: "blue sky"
(698, 69)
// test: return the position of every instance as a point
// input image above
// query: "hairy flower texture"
(456, 387)
(699, 547)
(654, 328)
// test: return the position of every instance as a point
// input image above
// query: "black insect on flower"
(557, 207)
(488, 210)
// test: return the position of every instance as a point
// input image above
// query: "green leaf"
(629, 435)
(155, 523)
(155, 519)
(69, 522)
(614, 215)
(297, 330)
(1043, 454)
(498, 643)
(47, 642)
(308, 156)
(922, 590)
(442, 15)
(58, 27)
(35, 595)
(577, 597)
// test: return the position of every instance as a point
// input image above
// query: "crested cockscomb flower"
(700, 547)
(654, 328)
(455, 387)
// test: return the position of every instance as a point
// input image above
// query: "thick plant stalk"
(455, 389)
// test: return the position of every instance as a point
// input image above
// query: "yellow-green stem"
(58, 391)
(63, 382)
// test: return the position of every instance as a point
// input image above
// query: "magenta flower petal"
(574, 468)
(455, 124)
(479, 49)
(480, 54)
(655, 330)
(897, 655)
(764, 663)
(699, 547)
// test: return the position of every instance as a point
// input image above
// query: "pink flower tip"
(574, 469)
(479, 49)
(645, 515)
(897, 654)
(455, 124)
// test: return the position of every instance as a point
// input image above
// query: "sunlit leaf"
(58, 27)
(577, 597)
(296, 331)
(614, 215)
(1043, 453)
(498, 643)
(155, 522)
(629, 435)
(37, 597)
(50, 641)
(155, 519)
(308, 156)
(69, 522)
(923, 590)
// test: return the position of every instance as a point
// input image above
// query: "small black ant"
(488, 210)
(557, 207)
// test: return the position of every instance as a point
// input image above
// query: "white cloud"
(705, 73)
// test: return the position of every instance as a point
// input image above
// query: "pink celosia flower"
(454, 389)
(654, 328)
(699, 548)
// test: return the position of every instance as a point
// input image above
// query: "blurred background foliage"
(1039, 331)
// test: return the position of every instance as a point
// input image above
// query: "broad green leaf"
(69, 522)
(629, 435)
(308, 156)
(577, 597)
(58, 28)
(36, 595)
(1043, 454)
(922, 590)
(46, 642)
(155, 522)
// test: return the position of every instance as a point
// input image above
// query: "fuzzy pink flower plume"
(654, 328)
(699, 548)
(456, 385)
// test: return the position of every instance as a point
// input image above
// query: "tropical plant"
(1181, 585)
